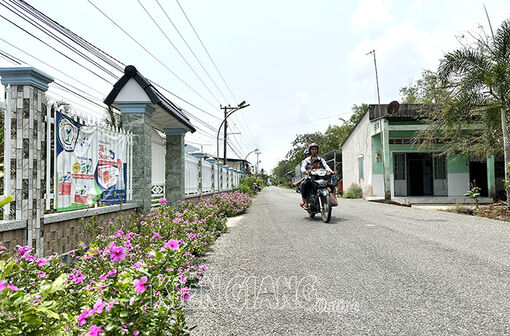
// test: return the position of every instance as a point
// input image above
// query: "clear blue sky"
(300, 64)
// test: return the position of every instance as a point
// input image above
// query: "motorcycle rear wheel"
(326, 209)
(311, 214)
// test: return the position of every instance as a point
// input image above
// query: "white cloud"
(371, 12)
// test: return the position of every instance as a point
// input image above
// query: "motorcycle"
(319, 199)
(255, 188)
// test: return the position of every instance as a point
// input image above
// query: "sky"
(301, 65)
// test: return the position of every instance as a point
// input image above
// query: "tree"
(428, 90)
(479, 77)
(332, 139)
(113, 118)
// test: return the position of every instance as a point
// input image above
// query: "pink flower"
(12, 287)
(140, 286)
(22, 250)
(184, 293)
(117, 253)
(98, 307)
(162, 201)
(95, 331)
(41, 274)
(41, 262)
(172, 244)
(82, 317)
(135, 332)
(2, 285)
(110, 305)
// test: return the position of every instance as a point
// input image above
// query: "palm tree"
(479, 76)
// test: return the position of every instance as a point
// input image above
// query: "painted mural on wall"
(91, 165)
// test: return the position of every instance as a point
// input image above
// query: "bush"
(353, 192)
(244, 189)
(125, 282)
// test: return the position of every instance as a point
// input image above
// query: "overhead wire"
(177, 50)
(90, 48)
(191, 50)
(58, 51)
(57, 38)
(101, 54)
(202, 43)
(214, 64)
(151, 54)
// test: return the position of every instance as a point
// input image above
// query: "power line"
(191, 50)
(177, 50)
(87, 46)
(299, 123)
(189, 21)
(51, 67)
(151, 54)
(58, 51)
(101, 54)
(58, 39)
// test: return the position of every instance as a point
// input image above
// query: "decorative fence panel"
(158, 168)
(191, 175)
(206, 177)
(217, 186)
(224, 185)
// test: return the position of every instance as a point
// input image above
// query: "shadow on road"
(318, 220)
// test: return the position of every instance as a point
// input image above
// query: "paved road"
(376, 269)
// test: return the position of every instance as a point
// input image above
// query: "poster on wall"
(91, 165)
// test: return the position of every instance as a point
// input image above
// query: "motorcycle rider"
(314, 161)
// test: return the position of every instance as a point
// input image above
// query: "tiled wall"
(64, 236)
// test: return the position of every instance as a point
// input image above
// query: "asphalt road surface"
(376, 269)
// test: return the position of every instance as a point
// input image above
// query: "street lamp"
(256, 150)
(228, 112)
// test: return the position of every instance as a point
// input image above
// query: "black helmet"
(313, 144)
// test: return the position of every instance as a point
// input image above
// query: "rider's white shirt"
(307, 164)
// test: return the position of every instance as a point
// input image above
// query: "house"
(381, 156)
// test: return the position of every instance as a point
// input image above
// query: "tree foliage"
(330, 140)
(470, 94)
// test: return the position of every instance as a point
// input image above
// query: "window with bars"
(399, 166)
(440, 167)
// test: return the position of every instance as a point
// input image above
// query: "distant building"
(412, 172)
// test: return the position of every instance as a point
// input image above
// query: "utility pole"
(225, 136)
(257, 166)
(384, 137)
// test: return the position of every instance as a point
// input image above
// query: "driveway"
(376, 269)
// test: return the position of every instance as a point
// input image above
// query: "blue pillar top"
(25, 76)
(198, 155)
(210, 160)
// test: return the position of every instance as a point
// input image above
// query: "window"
(440, 167)
(399, 166)
(360, 167)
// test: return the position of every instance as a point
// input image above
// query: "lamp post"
(256, 150)
(228, 112)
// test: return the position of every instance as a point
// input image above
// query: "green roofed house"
(381, 157)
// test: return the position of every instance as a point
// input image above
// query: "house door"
(415, 179)
(419, 173)
(478, 176)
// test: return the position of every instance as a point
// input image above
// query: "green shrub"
(244, 189)
(353, 192)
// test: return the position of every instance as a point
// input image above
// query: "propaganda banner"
(91, 165)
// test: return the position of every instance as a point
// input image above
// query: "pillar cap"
(25, 76)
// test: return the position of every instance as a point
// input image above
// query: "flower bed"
(130, 280)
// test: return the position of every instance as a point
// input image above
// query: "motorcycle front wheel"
(326, 209)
